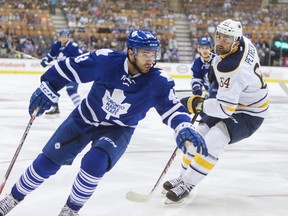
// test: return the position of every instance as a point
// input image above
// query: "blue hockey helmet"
(64, 32)
(139, 39)
(205, 41)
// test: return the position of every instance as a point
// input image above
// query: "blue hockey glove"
(195, 104)
(43, 98)
(44, 62)
(186, 132)
(197, 90)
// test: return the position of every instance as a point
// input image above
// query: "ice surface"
(251, 178)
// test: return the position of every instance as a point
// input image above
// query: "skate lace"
(176, 181)
(7, 204)
(181, 189)
(66, 211)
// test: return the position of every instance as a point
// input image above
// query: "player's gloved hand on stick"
(186, 132)
(43, 98)
(195, 104)
(197, 90)
(44, 62)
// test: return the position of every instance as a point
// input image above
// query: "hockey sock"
(216, 140)
(76, 99)
(94, 165)
(187, 158)
(41, 169)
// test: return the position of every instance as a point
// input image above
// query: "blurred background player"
(59, 51)
(239, 109)
(201, 75)
(201, 66)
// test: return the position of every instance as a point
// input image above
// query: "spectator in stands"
(3, 47)
(52, 6)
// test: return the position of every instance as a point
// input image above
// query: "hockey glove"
(44, 62)
(195, 104)
(43, 98)
(197, 90)
(186, 135)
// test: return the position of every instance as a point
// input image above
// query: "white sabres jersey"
(241, 86)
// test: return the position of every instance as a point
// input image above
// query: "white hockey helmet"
(230, 27)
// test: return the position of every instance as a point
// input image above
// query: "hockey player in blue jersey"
(125, 87)
(201, 66)
(59, 51)
(238, 110)
(200, 69)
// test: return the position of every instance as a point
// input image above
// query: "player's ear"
(130, 53)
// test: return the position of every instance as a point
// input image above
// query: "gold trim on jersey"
(264, 105)
(230, 109)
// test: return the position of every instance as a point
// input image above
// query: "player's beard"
(220, 50)
(137, 68)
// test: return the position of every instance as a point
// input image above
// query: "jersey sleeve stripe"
(59, 70)
(170, 111)
(74, 73)
(169, 121)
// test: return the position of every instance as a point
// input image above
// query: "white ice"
(251, 178)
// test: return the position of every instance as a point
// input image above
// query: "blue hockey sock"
(41, 169)
(94, 165)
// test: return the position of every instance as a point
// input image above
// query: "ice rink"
(251, 178)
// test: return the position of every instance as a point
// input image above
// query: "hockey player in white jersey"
(238, 110)
(125, 87)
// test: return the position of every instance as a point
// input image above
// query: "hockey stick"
(18, 150)
(283, 86)
(27, 55)
(137, 197)
(31, 57)
(183, 90)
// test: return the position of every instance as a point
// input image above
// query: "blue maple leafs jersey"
(116, 97)
(200, 69)
(58, 52)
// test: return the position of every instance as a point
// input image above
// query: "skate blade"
(170, 202)
(186, 199)
(164, 191)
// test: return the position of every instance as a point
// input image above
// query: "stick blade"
(136, 197)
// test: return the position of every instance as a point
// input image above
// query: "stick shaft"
(18, 150)
(144, 198)
(27, 55)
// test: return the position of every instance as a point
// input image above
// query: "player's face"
(144, 60)
(223, 43)
(63, 39)
(205, 51)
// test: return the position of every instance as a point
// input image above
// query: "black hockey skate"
(170, 184)
(54, 110)
(66, 211)
(7, 204)
(178, 193)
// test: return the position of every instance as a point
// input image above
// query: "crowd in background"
(98, 24)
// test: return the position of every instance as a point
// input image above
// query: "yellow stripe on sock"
(186, 161)
(202, 162)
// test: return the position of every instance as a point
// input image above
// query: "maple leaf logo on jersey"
(113, 103)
